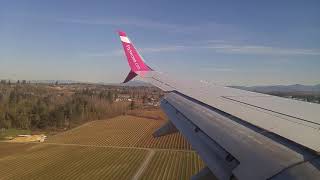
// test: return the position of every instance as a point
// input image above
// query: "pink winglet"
(135, 61)
(122, 33)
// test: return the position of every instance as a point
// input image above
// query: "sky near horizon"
(223, 42)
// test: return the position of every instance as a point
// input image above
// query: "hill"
(296, 88)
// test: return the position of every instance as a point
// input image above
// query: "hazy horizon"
(138, 80)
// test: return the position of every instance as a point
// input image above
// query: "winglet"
(135, 60)
(130, 76)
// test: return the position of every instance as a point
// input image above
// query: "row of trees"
(38, 107)
(17, 82)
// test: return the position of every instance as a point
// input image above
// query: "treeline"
(302, 96)
(29, 106)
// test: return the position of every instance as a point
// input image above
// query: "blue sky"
(225, 42)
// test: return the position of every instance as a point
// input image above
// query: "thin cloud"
(236, 49)
(216, 69)
(217, 48)
(255, 49)
(164, 49)
(210, 27)
(121, 22)
(148, 50)
(217, 45)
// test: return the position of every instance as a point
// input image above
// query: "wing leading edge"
(283, 132)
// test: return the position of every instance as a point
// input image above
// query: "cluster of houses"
(146, 101)
(123, 97)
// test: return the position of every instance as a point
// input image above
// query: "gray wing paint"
(295, 120)
(241, 134)
(238, 134)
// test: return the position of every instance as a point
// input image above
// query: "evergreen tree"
(132, 105)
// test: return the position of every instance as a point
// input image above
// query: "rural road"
(121, 147)
(144, 165)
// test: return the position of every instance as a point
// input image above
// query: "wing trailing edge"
(166, 129)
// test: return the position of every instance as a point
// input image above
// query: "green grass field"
(12, 132)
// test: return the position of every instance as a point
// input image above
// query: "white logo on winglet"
(124, 39)
(132, 57)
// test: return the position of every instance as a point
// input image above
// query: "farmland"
(117, 148)
(54, 162)
(128, 131)
(163, 165)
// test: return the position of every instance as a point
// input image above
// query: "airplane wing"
(238, 134)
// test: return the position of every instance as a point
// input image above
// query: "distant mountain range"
(282, 88)
(44, 81)
(54, 81)
(262, 89)
(134, 83)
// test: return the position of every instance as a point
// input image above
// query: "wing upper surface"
(295, 120)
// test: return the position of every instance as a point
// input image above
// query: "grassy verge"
(12, 132)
